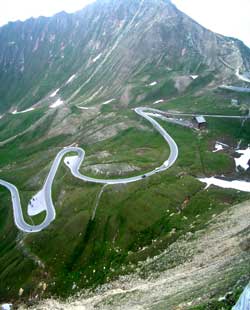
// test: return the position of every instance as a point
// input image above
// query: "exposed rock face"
(108, 44)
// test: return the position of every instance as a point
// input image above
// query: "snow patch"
(37, 204)
(21, 112)
(243, 159)
(71, 79)
(97, 57)
(194, 77)
(1, 116)
(219, 147)
(238, 185)
(36, 46)
(6, 307)
(83, 108)
(56, 104)
(107, 102)
(153, 83)
(158, 101)
(54, 93)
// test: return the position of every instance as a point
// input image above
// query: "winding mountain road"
(169, 113)
(242, 77)
(74, 163)
(44, 196)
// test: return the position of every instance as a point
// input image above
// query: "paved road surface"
(235, 88)
(169, 113)
(74, 163)
(242, 77)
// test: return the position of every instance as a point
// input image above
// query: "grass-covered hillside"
(92, 242)
(74, 80)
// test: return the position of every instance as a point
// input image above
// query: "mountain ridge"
(36, 53)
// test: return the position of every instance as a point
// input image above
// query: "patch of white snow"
(97, 57)
(6, 307)
(24, 111)
(194, 77)
(243, 159)
(153, 83)
(107, 102)
(71, 79)
(54, 93)
(83, 108)
(56, 104)
(219, 146)
(238, 185)
(158, 101)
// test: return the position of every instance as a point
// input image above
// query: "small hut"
(200, 122)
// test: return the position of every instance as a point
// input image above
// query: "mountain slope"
(108, 45)
(83, 74)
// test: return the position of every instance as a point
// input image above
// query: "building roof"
(200, 119)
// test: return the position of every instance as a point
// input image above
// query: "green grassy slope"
(85, 252)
